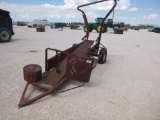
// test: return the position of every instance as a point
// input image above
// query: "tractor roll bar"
(86, 21)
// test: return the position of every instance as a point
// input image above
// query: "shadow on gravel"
(14, 40)
(33, 51)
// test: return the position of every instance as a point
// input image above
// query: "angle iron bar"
(23, 103)
(57, 66)
(69, 89)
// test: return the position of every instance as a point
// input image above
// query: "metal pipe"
(46, 57)
(69, 89)
(86, 21)
(100, 34)
(57, 66)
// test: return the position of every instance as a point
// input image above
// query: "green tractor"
(96, 26)
(107, 24)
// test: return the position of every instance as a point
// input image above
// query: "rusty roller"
(32, 73)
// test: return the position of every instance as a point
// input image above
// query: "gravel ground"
(126, 87)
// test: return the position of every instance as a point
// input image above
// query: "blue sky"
(132, 12)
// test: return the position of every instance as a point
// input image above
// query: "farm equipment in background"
(120, 25)
(40, 28)
(36, 22)
(75, 63)
(154, 29)
(107, 24)
(20, 23)
(96, 26)
(6, 27)
(58, 25)
(134, 27)
(116, 25)
(146, 26)
(74, 25)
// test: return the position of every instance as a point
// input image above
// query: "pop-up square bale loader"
(75, 63)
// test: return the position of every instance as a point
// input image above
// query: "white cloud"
(74, 3)
(46, 5)
(120, 18)
(150, 9)
(66, 12)
(70, 16)
(151, 17)
(24, 16)
(123, 7)
(134, 19)
(54, 16)
(133, 9)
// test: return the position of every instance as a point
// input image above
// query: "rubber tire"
(5, 32)
(102, 60)
(98, 29)
(85, 29)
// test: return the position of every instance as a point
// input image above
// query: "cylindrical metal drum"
(32, 73)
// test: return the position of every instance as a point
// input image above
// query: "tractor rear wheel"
(5, 35)
(99, 29)
(85, 29)
(103, 54)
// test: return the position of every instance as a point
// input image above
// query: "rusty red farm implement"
(75, 63)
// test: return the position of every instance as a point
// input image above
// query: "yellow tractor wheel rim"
(99, 28)
(85, 29)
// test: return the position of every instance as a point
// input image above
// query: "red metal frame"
(75, 63)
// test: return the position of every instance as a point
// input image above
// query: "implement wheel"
(5, 35)
(103, 56)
